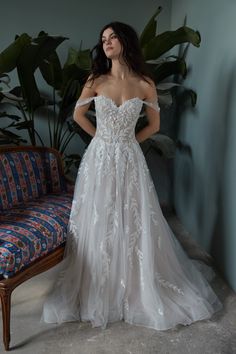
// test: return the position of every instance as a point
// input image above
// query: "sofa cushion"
(30, 231)
(26, 175)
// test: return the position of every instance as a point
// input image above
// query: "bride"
(122, 261)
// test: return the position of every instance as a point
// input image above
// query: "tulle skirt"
(122, 260)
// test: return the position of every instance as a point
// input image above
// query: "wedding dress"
(122, 260)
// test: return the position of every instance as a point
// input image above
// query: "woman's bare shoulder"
(148, 87)
(146, 82)
(94, 83)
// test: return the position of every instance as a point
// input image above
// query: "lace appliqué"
(167, 284)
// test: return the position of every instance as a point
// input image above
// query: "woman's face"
(111, 44)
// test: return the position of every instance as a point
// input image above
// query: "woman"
(122, 261)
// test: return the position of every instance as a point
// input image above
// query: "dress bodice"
(116, 123)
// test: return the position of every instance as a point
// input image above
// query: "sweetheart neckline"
(122, 104)
(87, 100)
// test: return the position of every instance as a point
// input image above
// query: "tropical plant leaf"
(192, 95)
(72, 73)
(149, 31)
(51, 70)
(167, 86)
(30, 58)
(165, 99)
(11, 96)
(42, 47)
(169, 68)
(164, 144)
(11, 116)
(9, 136)
(83, 135)
(4, 79)
(30, 90)
(81, 58)
(71, 93)
(84, 59)
(24, 125)
(167, 40)
(9, 56)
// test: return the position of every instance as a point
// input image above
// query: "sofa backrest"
(27, 173)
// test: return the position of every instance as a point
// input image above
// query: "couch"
(35, 202)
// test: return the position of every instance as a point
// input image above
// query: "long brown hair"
(132, 53)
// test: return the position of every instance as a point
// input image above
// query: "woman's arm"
(79, 112)
(152, 114)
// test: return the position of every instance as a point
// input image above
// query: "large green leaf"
(84, 59)
(30, 90)
(42, 47)
(51, 70)
(164, 144)
(149, 31)
(9, 57)
(30, 58)
(71, 93)
(81, 58)
(167, 40)
(70, 73)
(168, 68)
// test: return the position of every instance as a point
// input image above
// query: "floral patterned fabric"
(32, 230)
(26, 175)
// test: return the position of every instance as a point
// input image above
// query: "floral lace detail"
(118, 243)
(115, 124)
(167, 284)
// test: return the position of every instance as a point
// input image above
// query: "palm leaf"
(167, 40)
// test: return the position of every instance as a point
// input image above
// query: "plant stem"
(39, 137)
(66, 142)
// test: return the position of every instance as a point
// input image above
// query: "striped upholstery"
(35, 206)
(33, 231)
(26, 175)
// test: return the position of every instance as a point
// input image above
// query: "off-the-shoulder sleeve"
(154, 105)
(82, 102)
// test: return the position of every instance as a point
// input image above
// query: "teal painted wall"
(205, 185)
(79, 20)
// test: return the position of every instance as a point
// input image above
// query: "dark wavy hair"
(132, 53)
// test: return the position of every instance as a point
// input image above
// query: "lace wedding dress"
(122, 261)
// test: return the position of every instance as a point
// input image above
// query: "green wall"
(205, 184)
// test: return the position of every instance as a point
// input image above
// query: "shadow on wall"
(223, 243)
(199, 185)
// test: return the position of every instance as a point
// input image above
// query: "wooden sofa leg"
(5, 295)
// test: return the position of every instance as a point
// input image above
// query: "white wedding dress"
(122, 261)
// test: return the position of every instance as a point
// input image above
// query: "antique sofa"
(35, 202)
